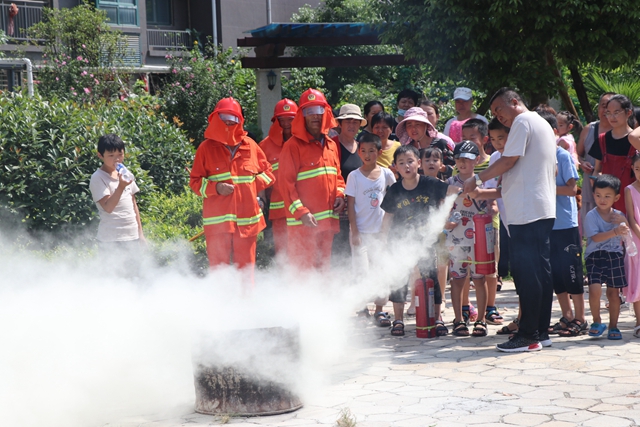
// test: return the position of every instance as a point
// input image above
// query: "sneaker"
(519, 344)
(545, 341)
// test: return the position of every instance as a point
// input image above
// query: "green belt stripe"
(263, 176)
(203, 188)
(295, 206)
(276, 205)
(235, 179)
(319, 217)
(327, 170)
(231, 218)
(275, 166)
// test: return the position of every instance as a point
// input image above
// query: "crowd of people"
(359, 187)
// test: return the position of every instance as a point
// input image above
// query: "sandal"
(473, 313)
(441, 329)
(597, 329)
(614, 334)
(479, 329)
(398, 328)
(492, 316)
(465, 314)
(574, 329)
(382, 319)
(460, 329)
(636, 331)
(507, 330)
(560, 325)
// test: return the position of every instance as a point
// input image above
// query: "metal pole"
(214, 16)
(268, 12)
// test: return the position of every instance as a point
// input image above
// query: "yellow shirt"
(385, 159)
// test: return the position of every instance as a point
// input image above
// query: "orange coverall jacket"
(249, 171)
(310, 178)
(272, 146)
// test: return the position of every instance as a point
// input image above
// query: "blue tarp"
(343, 29)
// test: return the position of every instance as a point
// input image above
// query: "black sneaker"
(545, 341)
(519, 344)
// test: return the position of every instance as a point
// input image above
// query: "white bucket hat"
(351, 111)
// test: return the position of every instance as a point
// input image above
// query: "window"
(158, 12)
(120, 12)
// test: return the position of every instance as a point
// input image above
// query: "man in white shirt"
(527, 167)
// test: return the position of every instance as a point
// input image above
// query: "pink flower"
(183, 89)
(174, 71)
(86, 60)
(91, 75)
(57, 78)
(84, 73)
(194, 59)
(96, 80)
(79, 58)
(74, 93)
(188, 85)
(87, 90)
(192, 75)
(84, 47)
(64, 62)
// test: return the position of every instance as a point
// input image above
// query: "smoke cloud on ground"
(81, 344)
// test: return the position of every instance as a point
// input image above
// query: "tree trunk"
(562, 88)
(581, 92)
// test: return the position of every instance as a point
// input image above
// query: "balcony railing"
(29, 13)
(168, 39)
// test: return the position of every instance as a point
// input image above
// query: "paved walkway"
(455, 382)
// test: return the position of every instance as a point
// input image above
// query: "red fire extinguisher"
(483, 244)
(425, 308)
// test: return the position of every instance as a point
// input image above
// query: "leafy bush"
(48, 153)
(168, 221)
(82, 55)
(199, 80)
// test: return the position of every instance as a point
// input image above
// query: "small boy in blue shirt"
(604, 227)
(566, 244)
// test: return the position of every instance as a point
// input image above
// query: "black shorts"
(606, 267)
(566, 261)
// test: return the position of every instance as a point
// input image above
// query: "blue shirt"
(594, 224)
(566, 206)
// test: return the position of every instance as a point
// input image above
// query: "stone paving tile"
(608, 421)
(455, 382)
(525, 419)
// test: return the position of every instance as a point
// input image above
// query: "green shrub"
(83, 56)
(199, 80)
(48, 153)
(170, 220)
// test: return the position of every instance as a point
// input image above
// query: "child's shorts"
(461, 260)
(566, 261)
(606, 267)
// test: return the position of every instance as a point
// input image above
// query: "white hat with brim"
(351, 111)
(416, 114)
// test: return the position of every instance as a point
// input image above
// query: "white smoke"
(82, 345)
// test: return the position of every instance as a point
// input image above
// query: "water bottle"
(455, 217)
(122, 170)
(629, 245)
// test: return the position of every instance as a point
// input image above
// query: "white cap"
(463, 93)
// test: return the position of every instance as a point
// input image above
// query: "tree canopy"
(494, 43)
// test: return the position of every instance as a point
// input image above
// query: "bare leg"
(492, 288)
(481, 296)
(465, 290)
(613, 295)
(398, 311)
(578, 305)
(457, 286)
(565, 306)
(636, 310)
(595, 293)
(442, 279)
